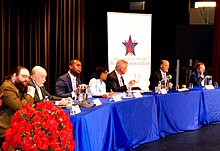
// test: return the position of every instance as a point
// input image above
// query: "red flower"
(40, 127)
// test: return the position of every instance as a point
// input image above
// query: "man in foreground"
(16, 94)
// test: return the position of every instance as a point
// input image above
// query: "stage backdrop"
(129, 38)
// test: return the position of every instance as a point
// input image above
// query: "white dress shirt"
(73, 81)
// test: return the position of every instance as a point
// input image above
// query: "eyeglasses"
(105, 72)
(24, 76)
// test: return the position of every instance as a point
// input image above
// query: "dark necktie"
(122, 79)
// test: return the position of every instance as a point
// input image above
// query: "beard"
(22, 86)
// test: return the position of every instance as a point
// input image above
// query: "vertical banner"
(129, 38)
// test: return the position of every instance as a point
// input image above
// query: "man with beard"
(16, 94)
(67, 84)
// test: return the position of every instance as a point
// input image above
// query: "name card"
(75, 110)
(163, 91)
(209, 87)
(137, 95)
(97, 102)
(116, 98)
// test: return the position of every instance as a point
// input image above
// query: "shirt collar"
(71, 76)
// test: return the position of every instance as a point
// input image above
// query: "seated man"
(115, 81)
(17, 94)
(67, 84)
(38, 78)
(159, 75)
(197, 76)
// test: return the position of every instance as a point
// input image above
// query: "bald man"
(38, 78)
(160, 74)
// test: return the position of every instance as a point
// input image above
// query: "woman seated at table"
(97, 84)
(197, 76)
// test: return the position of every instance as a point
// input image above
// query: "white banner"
(129, 38)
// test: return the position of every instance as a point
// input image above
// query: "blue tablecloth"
(179, 112)
(93, 129)
(136, 121)
(116, 125)
(212, 106)
(126, 124)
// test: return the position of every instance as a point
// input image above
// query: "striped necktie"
(39, 93)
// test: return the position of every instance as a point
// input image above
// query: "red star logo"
(130, 46)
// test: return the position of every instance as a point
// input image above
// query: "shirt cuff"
(73, 94)
(31, 94)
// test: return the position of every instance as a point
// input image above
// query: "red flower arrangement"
(44, 127)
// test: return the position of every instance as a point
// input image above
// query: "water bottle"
(89, 92)
(159, 87)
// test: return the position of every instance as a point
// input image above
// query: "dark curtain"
(48, 33)
(216, 45)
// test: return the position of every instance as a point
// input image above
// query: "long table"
(126, 124)
(116, 125)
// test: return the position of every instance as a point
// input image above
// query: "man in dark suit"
(67, 84)
(159, 75)
(115, 81)
(16, 94)
(197, 76)
(38, 78)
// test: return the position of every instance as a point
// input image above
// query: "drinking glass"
(215, 84)
(190, 85)
(136, 78)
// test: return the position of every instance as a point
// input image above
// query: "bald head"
(39, 74)
(164, 66)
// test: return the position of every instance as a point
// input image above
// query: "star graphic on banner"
(130, 46)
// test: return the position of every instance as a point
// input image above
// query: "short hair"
(98, 71)
(16, 70)
(73, 60)
(197, 65)
(37, 69)
(120, 63)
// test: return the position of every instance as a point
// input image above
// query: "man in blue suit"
(197, 76)
(67, 84)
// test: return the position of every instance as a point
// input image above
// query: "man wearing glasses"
(16, 94)
(38, 78)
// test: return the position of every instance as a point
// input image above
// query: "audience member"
(97, 84)
(115, 81)
(160, 74)
(197, 76)
(38, 78)
(16, 93)
(67, 84)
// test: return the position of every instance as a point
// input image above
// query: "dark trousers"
(2, 139)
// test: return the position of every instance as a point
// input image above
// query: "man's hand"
(170, 85)
(132, 82)
(31, 89)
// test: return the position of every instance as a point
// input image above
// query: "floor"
(207, 138)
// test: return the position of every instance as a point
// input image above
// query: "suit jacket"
(64, 86)
(12, 101)
(44, 93)
(155, 77)
(195, 78)
(112, 83)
